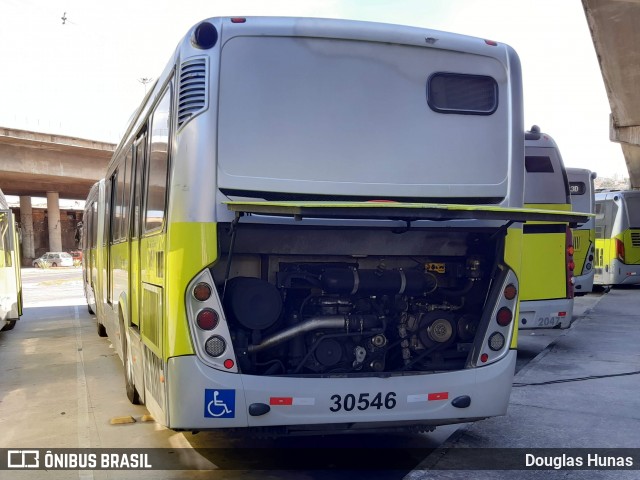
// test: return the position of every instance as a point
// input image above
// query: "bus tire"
(102, 332)
(132, 393)
(9, 326)
(90, 310)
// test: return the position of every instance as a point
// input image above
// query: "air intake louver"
(635, 239)
(193, 89)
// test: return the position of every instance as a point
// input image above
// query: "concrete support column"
(26, 222)
(55, 229)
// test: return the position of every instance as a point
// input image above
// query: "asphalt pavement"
(580, 392)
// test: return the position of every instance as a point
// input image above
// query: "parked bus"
(546, 289)
(10, 280)
(293, 237)
(617, 238)
(584, 237)
(89, 244)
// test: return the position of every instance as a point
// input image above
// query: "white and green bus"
(291, 235)
(89, 245)
(546, 288)
(584, 237)
(10, 280)
(617, 238)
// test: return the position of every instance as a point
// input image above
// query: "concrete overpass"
(615, 30)
(53, 166)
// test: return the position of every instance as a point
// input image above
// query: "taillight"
(207, 319)
(620, 250)
(504, 316)
(569, 261)
(510, 291)
(202, 292)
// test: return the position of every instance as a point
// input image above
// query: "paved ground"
(61, 384)
(598, 413)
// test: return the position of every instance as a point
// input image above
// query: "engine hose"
(357, 323)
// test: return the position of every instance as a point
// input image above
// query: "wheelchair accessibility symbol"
(219, 403)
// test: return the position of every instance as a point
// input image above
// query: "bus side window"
(107, 212)
(158, 167)
(140, 155)
(93, 238)
(600, 220)
(4, 244)
(606, 212)
(126, 194)
(116, 209)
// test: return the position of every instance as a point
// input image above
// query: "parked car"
(54, 259)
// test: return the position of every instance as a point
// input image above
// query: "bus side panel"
(513, 249)
(17, 274)
(583, 257)
(602, 262)
(190, 246)
(152, 274)
(543, 266)
(10, 285)
(581, 246)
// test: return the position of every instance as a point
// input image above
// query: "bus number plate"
(548, 321)
(362, 401)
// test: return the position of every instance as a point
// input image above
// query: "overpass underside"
(51, 166)
(615, 30)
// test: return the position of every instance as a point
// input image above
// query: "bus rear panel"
(546, 286)
(293, 237)
(583, 200)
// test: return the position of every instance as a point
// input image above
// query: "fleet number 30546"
(363, 401)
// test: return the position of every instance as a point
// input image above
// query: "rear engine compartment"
(311, 303)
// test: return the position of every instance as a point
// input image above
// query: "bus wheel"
(90, 310)
(132, 393)
(9, 326)
(102, 332)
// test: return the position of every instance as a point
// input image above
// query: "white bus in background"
(291, 235)
(10, 279)
(584, 237)
(617, 238)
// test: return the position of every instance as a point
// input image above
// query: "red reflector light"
(510, 291)
(484, 357)
(281, 401)
(491, 43)
(238, 20)
(202, 292)
(562, 314)
(228, 364)
(571, 266)
(504, 317)
(570, 250)
(620, 250)
(438, 396)
(207, 319)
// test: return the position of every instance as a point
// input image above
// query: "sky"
(83, 76)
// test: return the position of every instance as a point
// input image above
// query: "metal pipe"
(313, 323)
